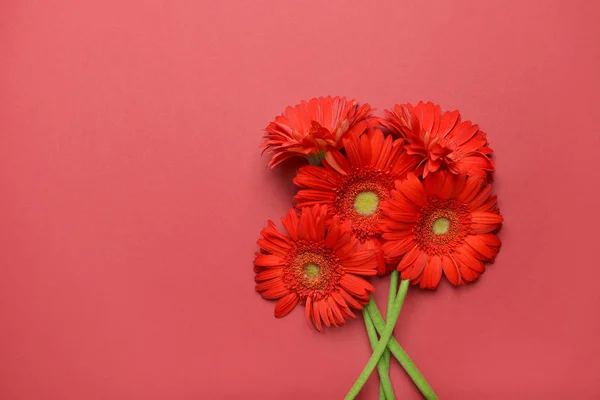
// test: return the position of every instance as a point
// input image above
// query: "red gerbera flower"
(315, 266)
(445, 223)
(312, 128)
(441, 140)
(353, 186)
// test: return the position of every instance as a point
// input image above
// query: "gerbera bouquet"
(406, 196)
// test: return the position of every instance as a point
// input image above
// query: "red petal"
(449, 187)
(373, 245)
(412, 188)
(381, 150)
(400, 214)
(491, 240)
(275, 289)
(360, 258)
(489, 218)
(315, 316)
(308, 311)
(483, 228)
(351, 300)
(390, 226)
(429, 116)
(434, 184)
(432, 273)
(489, 205)
(465, 257)
(306, 227)
(470, 190)
(364, 271)
(365, 151)
(447, 122)
(395, 249)
(268, 274)
(481, 198)
(342, 303)
(483, 250)
(330, 315)
(418, 265)
(314, 177)
(466, 273)
(322, 306)
(273, 248)
(290, 223)
(269, 261)
(333, 235)
(399, 201)
(408, 259)
(355, 285)
(337, 161)
(338, 317)
(321, 223)
(286, 304)
(346, 244)
(451, 270)
(310, 197)
(463, 132)
(352, 153)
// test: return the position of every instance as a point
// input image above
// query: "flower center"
(441, 226)
(311, 271)
(365, 203)
(357, 198)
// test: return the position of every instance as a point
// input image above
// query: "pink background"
(132, 193)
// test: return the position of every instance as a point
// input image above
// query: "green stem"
(403, 358)
(386, 334)
(391, 297)
(385, 388)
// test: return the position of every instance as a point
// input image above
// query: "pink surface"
(132, 193)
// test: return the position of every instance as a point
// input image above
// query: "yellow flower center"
(312, 271)
(441, 226)
(365, 203)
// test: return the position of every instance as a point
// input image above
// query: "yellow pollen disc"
(312, 271)
(441, 226)
(366, 203)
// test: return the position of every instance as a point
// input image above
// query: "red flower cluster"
(411, 192)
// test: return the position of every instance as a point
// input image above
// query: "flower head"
(313, 264)
(445, 223)
(311, 129)
(353, 186)
(441, 140)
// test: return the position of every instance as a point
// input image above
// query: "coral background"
(132, 193)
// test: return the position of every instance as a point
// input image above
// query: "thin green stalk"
(385, 388)
(386, 334)
(403, 358)
(391, 297)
